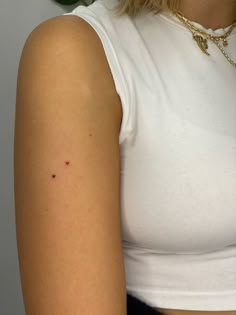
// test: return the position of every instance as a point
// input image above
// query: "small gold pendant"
(202, 43)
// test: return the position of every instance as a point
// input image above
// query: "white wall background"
(17, 19)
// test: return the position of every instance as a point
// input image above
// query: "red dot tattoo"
(67, 163)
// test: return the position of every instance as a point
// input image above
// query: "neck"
(209, 13)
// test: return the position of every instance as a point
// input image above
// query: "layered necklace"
(201, 37)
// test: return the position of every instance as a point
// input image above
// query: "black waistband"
(137, 307)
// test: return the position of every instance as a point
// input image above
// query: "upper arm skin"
(68, 227)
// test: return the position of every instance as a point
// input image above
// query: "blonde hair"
(133, 7)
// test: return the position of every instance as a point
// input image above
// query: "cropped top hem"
(196, 301)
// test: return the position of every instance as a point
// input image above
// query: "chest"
(179, 176)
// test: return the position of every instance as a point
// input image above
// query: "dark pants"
(138, 307)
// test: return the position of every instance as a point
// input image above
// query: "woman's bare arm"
(68, 221)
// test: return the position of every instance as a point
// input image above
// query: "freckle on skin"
(53, 176)
(90, 135)
(67, 162)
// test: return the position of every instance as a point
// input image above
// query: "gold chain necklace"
(202, 42)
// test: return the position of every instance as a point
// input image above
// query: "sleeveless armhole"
(101, 21)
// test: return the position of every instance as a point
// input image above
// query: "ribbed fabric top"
(178, 158)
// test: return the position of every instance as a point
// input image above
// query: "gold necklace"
(202, 39)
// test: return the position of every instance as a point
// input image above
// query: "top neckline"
(171, 18)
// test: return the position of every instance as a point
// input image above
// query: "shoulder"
(69, 40)
(68, 51)
(61, 30)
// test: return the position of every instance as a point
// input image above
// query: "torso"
(189, 312)
(164, 311)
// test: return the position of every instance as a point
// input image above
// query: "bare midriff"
(168, 311)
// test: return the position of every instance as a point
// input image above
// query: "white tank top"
(178, 158)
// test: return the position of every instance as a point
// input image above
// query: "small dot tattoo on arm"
(67, 163)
